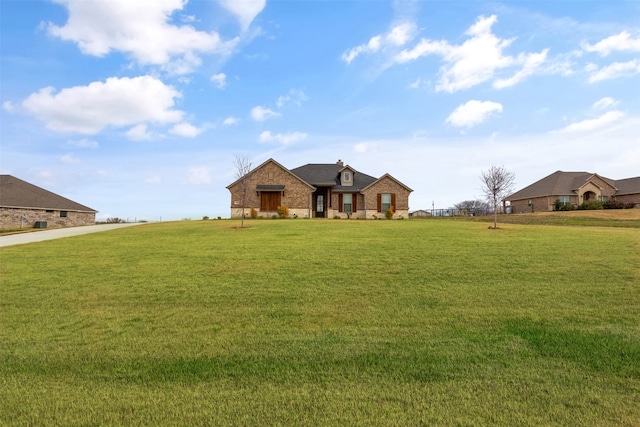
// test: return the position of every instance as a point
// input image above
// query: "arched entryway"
(589, 195)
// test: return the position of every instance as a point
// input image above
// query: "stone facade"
(10, 218)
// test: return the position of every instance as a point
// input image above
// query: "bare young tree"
(243, 167)
(497, 183)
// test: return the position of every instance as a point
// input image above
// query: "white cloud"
(185, 129)
(620, 42)
(139, 133)
(140, 29)
(614, 71)
(398, 36)
(416, 84)
(594, 124)
(154, 179)
(473, 113)
(8, 106)
(530, 64)
(84, 143)
(219, 79)
(69, 158)
(364, 147)
(230, 121)
(401, 34)
(245, 10)
(605, 103)
(260, 114)
(294, 96)
(188, 18)
(476, 60)
(284, 139)
(198, 175)
(423, 48)
(115, 102)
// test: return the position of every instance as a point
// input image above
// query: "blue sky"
(137, 109)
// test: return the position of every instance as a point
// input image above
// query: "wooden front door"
(269, 200)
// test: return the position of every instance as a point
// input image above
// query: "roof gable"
(16, 193)
(254, 170)
(386, 175)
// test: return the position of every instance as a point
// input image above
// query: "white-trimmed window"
(347, 176)
(565, 199)
(386, 201)
(347, 202)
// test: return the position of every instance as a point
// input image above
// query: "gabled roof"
(16, 193)
(628, 186)
(277, 164)
(562, 183)
(328, 174)
(386, 175)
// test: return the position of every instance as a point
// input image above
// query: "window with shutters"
(386, 201)
(347, 203)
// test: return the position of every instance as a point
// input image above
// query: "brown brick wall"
(297, 195)
(387, 185)
(10, 218)
(538, 204)
(629, 198)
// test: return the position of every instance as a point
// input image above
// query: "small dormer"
(346, 176)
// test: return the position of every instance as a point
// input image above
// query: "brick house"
(26, 205)
(325, 190)
(574, 188)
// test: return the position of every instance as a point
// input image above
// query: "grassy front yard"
(304, 322)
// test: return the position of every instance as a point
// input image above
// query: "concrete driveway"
(57, 233)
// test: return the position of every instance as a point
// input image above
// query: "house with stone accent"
(24, 205)
(575, 188)
(318, 190)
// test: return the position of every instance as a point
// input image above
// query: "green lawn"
(304, 322)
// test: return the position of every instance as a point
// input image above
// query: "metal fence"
(449, 212)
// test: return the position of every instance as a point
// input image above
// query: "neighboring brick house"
(26, 205)
(318, 191)
(574, 188)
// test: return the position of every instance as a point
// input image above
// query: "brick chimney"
(339, 162)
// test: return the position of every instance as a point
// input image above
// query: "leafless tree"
(243, 167)
(497, 183)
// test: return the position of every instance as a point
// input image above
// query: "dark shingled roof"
(16, 193)
(327, 174)
(567, 183)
